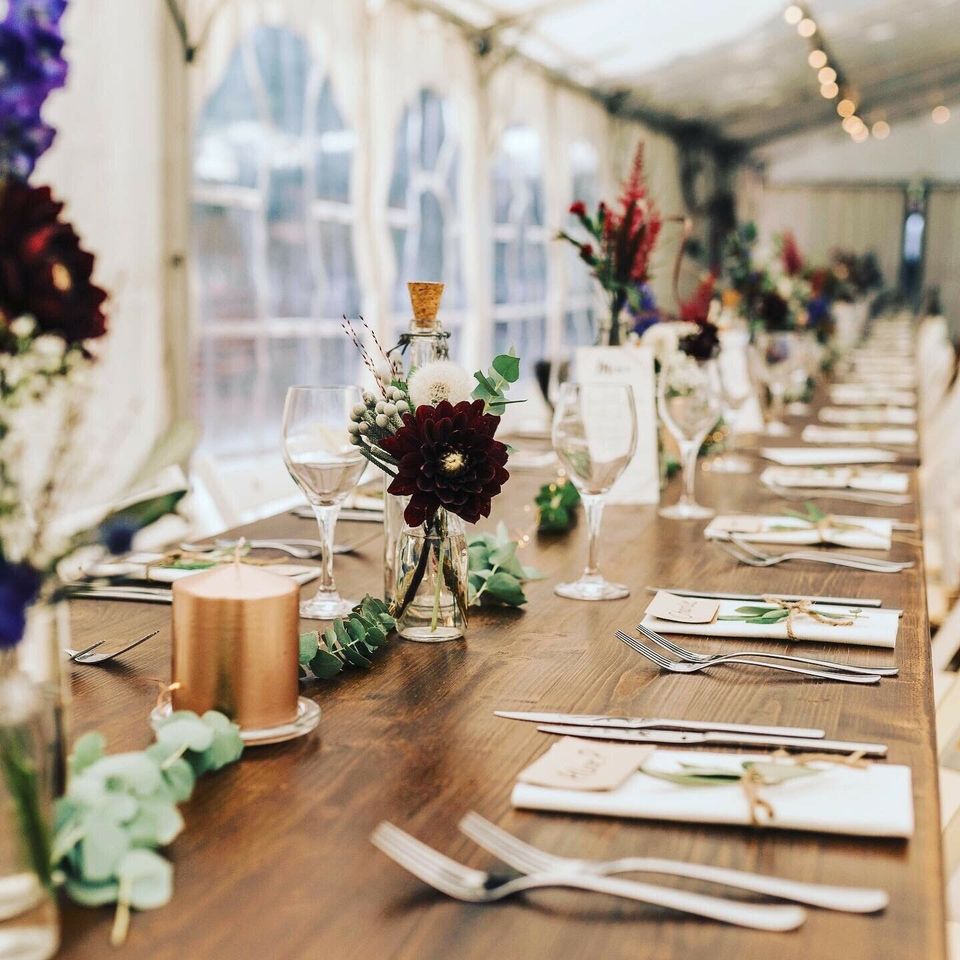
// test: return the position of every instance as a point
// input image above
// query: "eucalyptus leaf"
(147, 878)
(506, 589)
(91, 894)
(308, 646)
(87, 750)
(184, 728)
(508, 366)
(103, 845)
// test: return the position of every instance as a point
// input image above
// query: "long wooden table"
(275, 861)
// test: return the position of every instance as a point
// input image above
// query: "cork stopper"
(425, 300)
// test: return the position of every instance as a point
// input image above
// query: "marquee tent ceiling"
(735, 64)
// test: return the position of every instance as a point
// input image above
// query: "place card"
(873, 800)
(668, 606)
(575, 764)
(640, 481)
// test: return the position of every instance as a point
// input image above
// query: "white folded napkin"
(816, 433)
(138, 567)
(871, 627)
(814, 456)
(836, 478)
(901, 416)
(858, 394)
(872, 801)
(862, 533)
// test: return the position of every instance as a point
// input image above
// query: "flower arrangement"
(704, 343)
(621, 242)
(51, 317)
(434, 435)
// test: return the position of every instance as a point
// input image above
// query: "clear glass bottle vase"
(430, 597)
(393, 508)
(29, 921)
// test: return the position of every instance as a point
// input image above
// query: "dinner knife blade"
(142, 596)
(829, 601)
(680, 738)
(644, 723)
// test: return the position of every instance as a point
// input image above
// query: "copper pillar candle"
(235, 639)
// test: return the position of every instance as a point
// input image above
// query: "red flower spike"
(447, 457)
(578, 208)
(697, 308)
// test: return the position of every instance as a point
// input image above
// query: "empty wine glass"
(779, 354)
(688, 397)
(737, 388)
(326, 466)
(595, 436)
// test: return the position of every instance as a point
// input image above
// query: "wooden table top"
(275, 862)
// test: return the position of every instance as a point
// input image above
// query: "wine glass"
(779, 354)
(595, 436)
(326, 466)
(737, 388)
(688, 397)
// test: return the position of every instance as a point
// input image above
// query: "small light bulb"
(817, 59)
(806, 27)
(940, 114)
(881, 130)
(846, 107)
(793, 14)
(829, 90)
(827, 75)
(860, 134)
(852, 124)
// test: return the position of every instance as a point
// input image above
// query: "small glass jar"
(430, 597)
(29, 921)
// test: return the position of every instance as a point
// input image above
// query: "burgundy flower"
(43, 270)
(586, 253)
(578, 208)
(446, 457)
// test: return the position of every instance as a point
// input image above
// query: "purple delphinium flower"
(648, 314)
(31, 65)
(116, 534)
(19, 586)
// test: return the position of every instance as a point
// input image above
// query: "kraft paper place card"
(633, 366)
(574, 764)
(668, 606)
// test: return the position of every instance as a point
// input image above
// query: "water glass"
(326, 466)
(737, 389)
(779, 355)
(689, 401)
(595, 436)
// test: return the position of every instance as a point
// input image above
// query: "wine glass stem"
(327, 521)
(593, 507)
(776, 402)
(688, 465)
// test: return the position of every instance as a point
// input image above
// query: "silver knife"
(679, 738)
(839, 601)
(146, 595)
(647, 723)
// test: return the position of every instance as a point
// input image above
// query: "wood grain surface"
(275, 861)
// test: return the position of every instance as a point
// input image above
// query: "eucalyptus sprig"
(495, 573)
(351, 640)
(769, 615)
(492, 386)
(120, 808)
(701, 775)
(556, 504)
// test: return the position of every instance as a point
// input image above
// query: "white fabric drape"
(853, 217)
(107, 163)
(942, 254)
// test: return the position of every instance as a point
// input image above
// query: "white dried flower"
(23, 326)
(440, 380)
(664, 338)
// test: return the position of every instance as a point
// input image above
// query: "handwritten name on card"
(668, 606)
(572, 764)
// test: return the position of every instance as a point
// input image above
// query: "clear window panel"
(341, 289)
(290, 283)
(223, 240)
(284, 62)
(227, 395)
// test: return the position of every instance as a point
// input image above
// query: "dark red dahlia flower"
(43, 270)
(446, 457)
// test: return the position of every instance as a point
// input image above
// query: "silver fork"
(477, 886)
(754, 558)
(674, 666)
(90, 659)
(529, 859)
(692, 657)
(871, 497)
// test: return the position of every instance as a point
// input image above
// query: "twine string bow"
(753, 779)
(804, 608)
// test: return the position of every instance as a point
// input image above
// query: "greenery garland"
(351, 640)
(120, 808)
